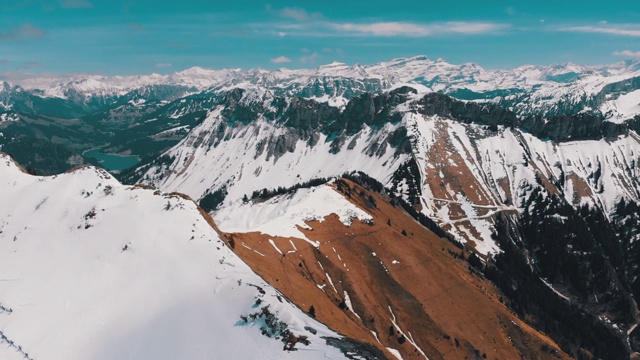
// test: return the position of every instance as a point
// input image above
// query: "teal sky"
(143, 36)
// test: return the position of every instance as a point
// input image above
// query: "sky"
(125, 37)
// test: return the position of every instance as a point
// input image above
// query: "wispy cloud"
(300, 14)
(623, 30)
(338, 51)
(387, 29)
(297, 14)
(304, 23)
(134, 27)
(75, 4)
(419, 30)
(23, 32)
(29, 65)
(310, 58)
(176, 45)
(163, 65)
(628, 54)
(384, 29)
(280, 60)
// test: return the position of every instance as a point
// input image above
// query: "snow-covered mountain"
(482, 174)
(92, 85)
(92, 269)
(543, 90)
(531, 173)
(145, 115)
(484, 170)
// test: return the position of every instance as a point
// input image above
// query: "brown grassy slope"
(440, 307)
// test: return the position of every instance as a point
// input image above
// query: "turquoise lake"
(112, 162)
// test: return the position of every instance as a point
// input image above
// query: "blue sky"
(143, 36)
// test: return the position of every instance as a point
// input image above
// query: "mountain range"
(419, 209)
(142, 114)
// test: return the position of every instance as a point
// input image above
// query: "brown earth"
(449, 177)
(410, 293)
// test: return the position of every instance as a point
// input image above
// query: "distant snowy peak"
(95, 85)
(197, 71)
(89, 87)
(201, 78)
(527, 90)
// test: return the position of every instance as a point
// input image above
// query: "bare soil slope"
(393, 284)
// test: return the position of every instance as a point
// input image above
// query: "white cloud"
(163, 65)
(295, 14)
(624, 30)
(23, 32)
(461, 27)
(280, 60)
(310, 58)
(75, 4)
(409, 29)
(384, 29)
(628, 53)
(29, 65)
(299, 14)
(316, 25)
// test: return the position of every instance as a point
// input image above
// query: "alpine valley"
(411, 209)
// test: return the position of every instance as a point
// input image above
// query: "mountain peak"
(195, 70)
(418, 58)
(5, 86)
(333, 64)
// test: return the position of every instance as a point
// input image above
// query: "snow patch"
(283, 214)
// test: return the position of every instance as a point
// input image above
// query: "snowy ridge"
(283, 214)
(206, 161)
(624, 107)
(91, 269)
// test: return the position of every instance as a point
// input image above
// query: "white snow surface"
(282, 214)
(623, 108)
(8, 117)
(91, 269)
